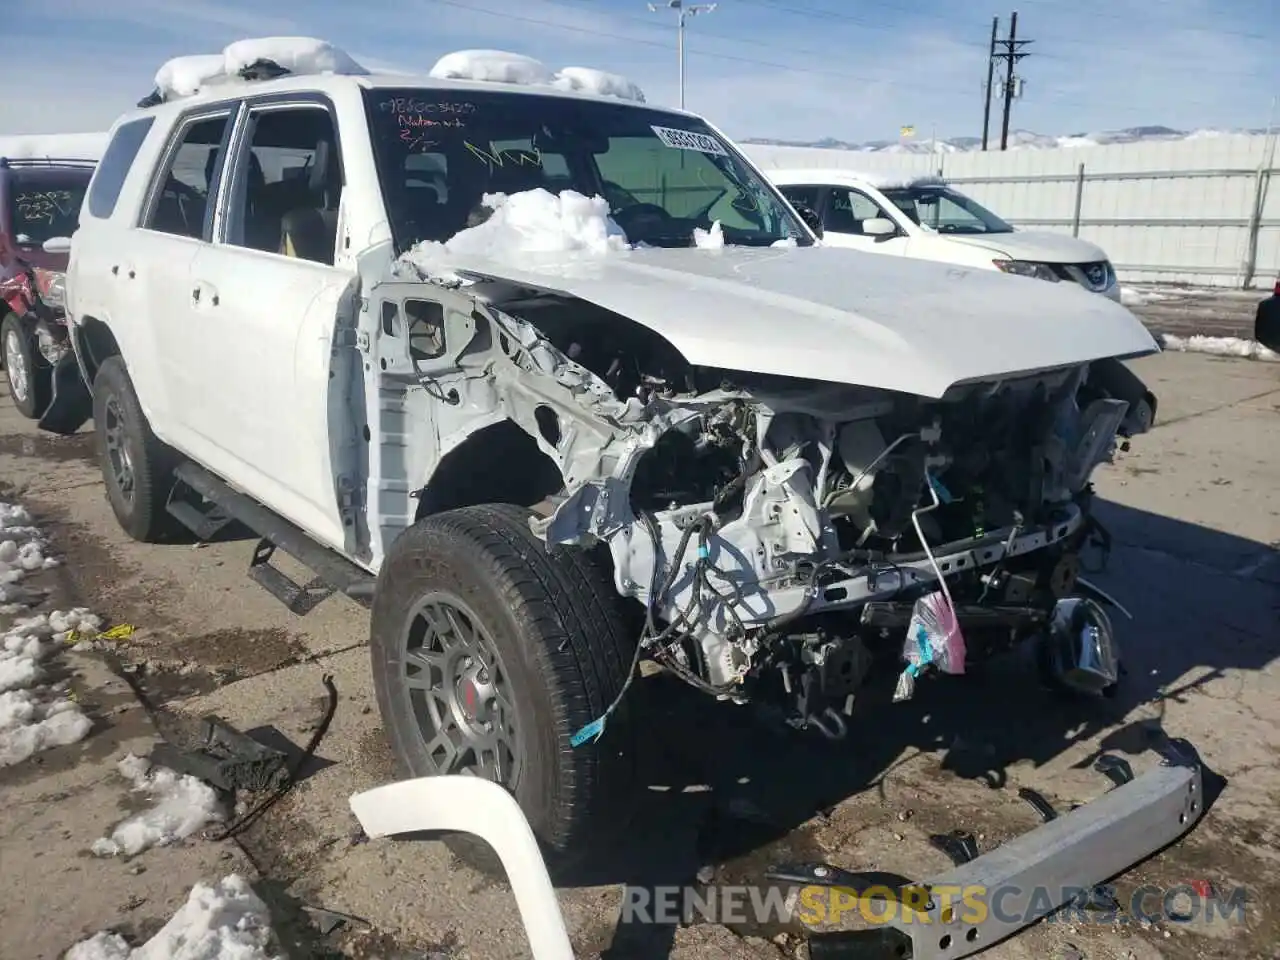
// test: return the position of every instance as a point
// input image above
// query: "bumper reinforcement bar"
(1036, 873)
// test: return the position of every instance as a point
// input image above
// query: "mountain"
(1017, 138)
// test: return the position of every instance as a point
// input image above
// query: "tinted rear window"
(45, 202)
(114, 166)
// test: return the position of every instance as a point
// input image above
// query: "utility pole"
(1011, 54)
(991, 68)
(683, 12)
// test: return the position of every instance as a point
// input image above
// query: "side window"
(181, 204)
(802, 196)
(287, 184)
(847, 209)
(114, 166)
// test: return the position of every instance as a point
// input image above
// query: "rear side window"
(180, 206)
(114, 166)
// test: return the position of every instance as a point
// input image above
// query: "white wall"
(1165, 211)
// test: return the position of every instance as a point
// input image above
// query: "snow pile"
(1218, 346)
(712, 239)
(502, 66)
(305, 56)
(182, 804)
(491, 66)
(223, 921)
(598, 82)
(300, 55)
(187, 76)
(531, 222)
(67, 146)
(36, 713)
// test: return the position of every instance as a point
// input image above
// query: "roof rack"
(260, 69)
(45, 161)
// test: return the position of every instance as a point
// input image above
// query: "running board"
(334, 573)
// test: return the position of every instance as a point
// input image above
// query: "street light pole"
(683, 12)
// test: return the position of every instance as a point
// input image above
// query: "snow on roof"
(493, 66)
(602, 84)
(187, 76)
(502, 66)
(65, 146)
(879, 180)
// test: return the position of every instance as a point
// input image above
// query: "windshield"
(945, 210)
(45, 203)
(439, 152)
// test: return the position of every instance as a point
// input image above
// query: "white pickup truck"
(320, 304)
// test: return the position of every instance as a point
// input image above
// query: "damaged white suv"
(558, 382)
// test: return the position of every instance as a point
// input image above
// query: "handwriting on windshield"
(44, 206)
(501, 158)
(410, 106)
(416, 141)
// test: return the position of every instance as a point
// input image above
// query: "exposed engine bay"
(777, 532)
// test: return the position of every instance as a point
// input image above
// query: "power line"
(588, 31)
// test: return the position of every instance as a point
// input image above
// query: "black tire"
(566, 649)
(34, 388)
(120, 425)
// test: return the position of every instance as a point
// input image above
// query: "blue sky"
(758, 68)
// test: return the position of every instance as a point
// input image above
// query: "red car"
(39, 202)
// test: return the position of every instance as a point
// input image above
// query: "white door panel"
(262, 327)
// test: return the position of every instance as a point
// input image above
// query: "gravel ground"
(1196, 521)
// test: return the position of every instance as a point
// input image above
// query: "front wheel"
(30, 382)
(489, 653)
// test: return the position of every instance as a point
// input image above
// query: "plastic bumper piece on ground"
(1036, 873)
(483, 808)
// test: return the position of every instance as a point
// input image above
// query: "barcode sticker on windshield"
(688, 140)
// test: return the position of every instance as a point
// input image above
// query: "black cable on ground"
(251, 816)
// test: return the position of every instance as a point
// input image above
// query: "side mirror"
(57, 245)
(810, 218)
(879, 227)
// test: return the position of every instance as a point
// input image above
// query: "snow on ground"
(181, 805)
(221, 921)
(530, 222)
(67, 146)
(1133, 297)
(36, 709)
(1218, 346)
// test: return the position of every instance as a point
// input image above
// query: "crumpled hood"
(1035, 245)
(839, 315)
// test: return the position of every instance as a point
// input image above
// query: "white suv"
(310, 303)
(925, 218)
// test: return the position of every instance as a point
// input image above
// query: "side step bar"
(222, 504)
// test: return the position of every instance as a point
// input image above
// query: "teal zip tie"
(591, 732)
(703, 551)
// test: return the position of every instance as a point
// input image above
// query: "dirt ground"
(1184, 311)
(1195, 514)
